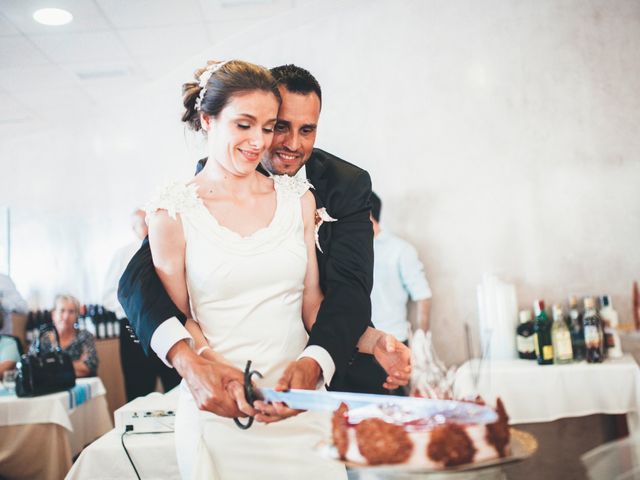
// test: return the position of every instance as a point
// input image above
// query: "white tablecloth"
(52, 408)
(40, 435)
(535, 393)
(153, 454)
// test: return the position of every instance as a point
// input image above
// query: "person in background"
(140, 371)
(398, 275)
(10, 301)
(9, 353)
(79, 344)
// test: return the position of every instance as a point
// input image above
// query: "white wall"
(502, 137)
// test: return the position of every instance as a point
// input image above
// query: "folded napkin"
(79, 395)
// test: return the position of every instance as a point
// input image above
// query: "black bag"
(40, 373)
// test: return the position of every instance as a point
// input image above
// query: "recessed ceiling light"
(52, 16)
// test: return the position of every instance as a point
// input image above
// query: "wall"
(501, 136)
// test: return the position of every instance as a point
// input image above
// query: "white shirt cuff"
(325, 361)
(170, 332)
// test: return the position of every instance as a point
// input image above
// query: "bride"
(235, 250)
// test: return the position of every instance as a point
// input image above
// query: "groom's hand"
(207, 380)
(301, 374)
(395, 357)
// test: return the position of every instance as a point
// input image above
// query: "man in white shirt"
(140, 371)
(398, 276)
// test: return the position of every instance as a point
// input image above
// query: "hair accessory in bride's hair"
(204, 79)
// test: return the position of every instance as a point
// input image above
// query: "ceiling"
(51, 73)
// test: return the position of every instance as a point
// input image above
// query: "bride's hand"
(303, 373)
(206, 379)
(395, 357)
(236, 391)
(273, 412)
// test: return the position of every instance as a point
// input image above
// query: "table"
(567, 407)
(533, 393)
(630, 342)
(155, 458)
(154, 455)
(39, 436)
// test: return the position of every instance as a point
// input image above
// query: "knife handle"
(249, 394)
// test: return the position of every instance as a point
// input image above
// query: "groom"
(345, 260)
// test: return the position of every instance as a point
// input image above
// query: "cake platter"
(523, 445)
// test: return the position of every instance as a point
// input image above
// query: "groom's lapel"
(315, 175)
(263, 170)
(318, 178)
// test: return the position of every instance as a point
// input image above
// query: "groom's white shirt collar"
(302, 173)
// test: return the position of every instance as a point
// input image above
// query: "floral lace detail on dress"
(295, 185)
(174, 198)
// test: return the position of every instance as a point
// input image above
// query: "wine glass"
(9, 380)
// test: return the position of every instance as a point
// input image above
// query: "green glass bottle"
(542, 329)
(577, 329)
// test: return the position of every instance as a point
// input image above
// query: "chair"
(17, 340)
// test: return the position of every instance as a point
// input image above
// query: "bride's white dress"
(246, 294)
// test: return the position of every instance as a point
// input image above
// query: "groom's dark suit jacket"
(346, 275)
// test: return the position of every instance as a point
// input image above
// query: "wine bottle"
(89, 320)
(592, 329)
(116, 325)
(81, 316)
(576, 329)
(542, 328)
(101, 326)
(35, 328)
(609, 316)
(108, 315)
(47, 319)
(561, 337)
(525, 336)
(29, 327)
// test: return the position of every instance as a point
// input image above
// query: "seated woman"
(79, 344)
(9, 352)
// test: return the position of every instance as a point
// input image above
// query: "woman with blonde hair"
(79, 344)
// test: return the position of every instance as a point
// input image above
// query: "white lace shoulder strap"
(174, 198)
(294, 186)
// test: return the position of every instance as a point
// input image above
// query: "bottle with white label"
(525, 336)
(561, 337)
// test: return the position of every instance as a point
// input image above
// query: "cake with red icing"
(376, 436)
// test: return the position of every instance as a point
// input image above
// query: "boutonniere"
(321, 217)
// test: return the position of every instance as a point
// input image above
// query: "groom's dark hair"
(296, 80)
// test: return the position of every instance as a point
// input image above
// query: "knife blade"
(408, 408)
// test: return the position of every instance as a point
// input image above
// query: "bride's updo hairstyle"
(217, 83)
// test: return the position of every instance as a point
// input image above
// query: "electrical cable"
(127, 452)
